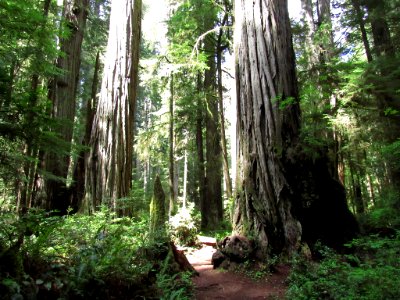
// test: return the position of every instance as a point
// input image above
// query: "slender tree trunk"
(185, 180)
(172, 177)
(228, 181)
(308, 14)
(78, 178)
(24, 199)
(283, 195)
(201, 177)
(361, 24)
(109, 170)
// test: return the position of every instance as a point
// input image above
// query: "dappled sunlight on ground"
(222, 284)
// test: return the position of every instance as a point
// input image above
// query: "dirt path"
(220, 284)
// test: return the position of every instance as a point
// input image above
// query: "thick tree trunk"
(386, 90)
(109, 170)
(283, 196)
(63, 94)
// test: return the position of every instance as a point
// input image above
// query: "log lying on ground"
(208, 241)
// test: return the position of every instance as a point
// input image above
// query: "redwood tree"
(62, 92)
(109, 169)
(284, 197)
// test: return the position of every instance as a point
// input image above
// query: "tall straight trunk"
(172, 178)
(380, 28)
(320, 57)
(200, 170)
(109, 170)
(24, 196)
(356, 188)
(185, 179)
(214, 208)
(63, 95)
(386, 90)
(283, 195)
(308, 14)
(228, 181)
(361, 24)
(78, 178)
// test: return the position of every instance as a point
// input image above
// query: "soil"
(223, 284)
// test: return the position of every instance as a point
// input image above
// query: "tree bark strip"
(109, 170)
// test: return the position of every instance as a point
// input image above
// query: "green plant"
(177, 286)
(182, 227)
(80, 256)
(371, 271)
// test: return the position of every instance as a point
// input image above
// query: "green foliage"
(384, 215)
(371, 271)
(84, 257)
(178, 286)
(183, 227)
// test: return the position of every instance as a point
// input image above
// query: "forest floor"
(222, 284)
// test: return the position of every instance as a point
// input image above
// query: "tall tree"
(172, 168)
(212, 210)
(63, 95)
(109, 170)
(283, 195)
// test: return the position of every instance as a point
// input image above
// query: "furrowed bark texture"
(78, 178)
(109, 170)
(63, 94)
(212, 211)
(281, 196)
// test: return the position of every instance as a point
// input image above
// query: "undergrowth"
(85, 257)
(371, 271)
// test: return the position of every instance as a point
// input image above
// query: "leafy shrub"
(372, 271)
(384, 215)
(183, 227)
(83, 257)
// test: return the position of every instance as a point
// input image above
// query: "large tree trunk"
(109, 170)
(283, 196)
(213, 213)
(63, 94)
(386, 90)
